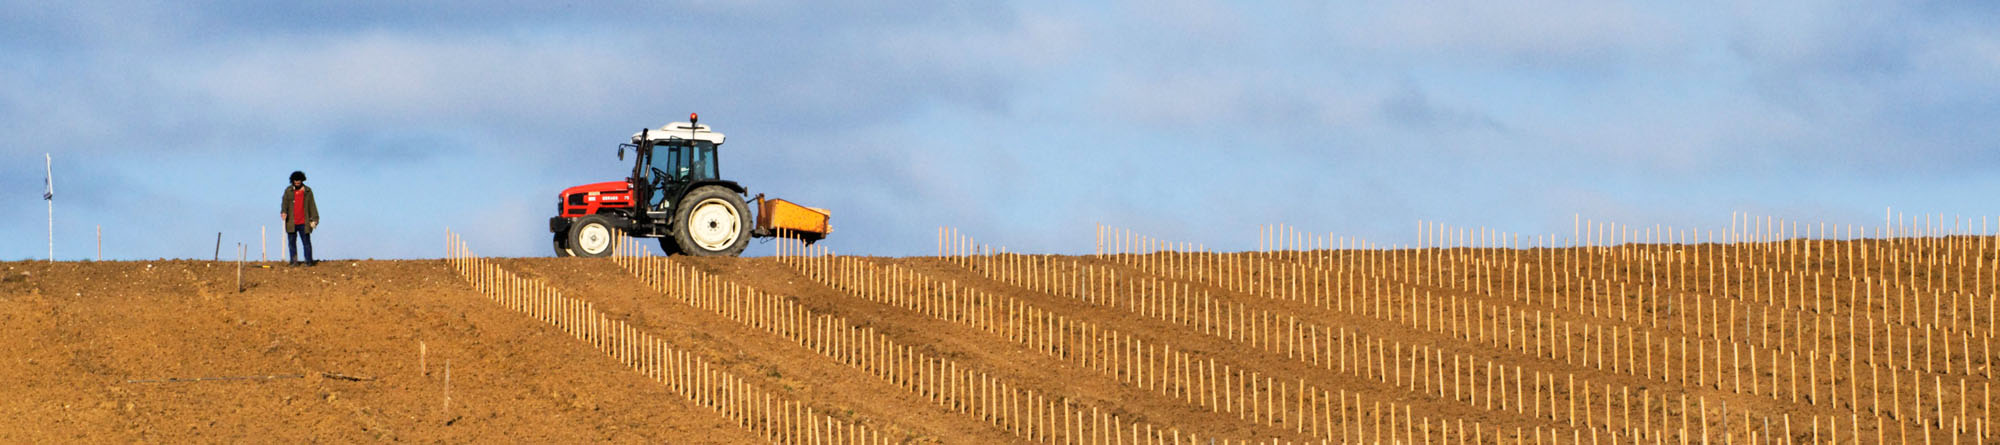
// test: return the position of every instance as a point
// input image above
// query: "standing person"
(301, 215)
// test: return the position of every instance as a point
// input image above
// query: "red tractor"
(676, 193)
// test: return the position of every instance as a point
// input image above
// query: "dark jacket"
(312, 209)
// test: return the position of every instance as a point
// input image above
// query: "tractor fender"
(620, 219)
(731, 185)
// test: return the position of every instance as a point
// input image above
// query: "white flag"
(48, 181)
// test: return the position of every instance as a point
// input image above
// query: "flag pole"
(49, 183)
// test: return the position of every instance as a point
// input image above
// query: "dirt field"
(1783, 341)
(81, 333)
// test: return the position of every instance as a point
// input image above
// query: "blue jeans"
(292, 239)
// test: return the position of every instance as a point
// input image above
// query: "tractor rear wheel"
(712, 221)
(590, 236)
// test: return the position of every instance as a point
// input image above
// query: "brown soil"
(82, 335)
(84, 332)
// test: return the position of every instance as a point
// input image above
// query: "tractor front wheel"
(712, 221)
(591, 236)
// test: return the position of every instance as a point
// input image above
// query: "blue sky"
(1021, 123)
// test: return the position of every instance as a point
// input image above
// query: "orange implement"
(781, 216)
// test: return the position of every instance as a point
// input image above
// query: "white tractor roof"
(680, 130)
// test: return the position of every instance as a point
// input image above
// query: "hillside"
(1807, 340)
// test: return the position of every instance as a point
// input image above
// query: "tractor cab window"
(701, 161)
(660, 167)
(686, 161)
(655, 171)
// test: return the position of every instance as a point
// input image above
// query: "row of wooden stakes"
(776, 417)
(1823, 340)
(1785, 283)
(1204, 383)
(1030, 414)
(1635, 432)
(1378, 359)
(1037, 279)
(1525, 272)
(1897, 303)
(1786, 246)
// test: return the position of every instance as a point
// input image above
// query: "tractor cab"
(669, 162)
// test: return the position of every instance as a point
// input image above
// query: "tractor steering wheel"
(659, 185)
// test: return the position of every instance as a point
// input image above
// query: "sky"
(1023, 124)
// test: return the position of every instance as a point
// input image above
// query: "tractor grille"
(576, 199)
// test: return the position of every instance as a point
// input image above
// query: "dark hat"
(298, 176)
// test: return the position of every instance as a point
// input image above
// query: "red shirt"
(299, 205)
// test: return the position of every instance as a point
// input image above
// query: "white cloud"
(1474, 29)
(1032, 39)
(1989, 48)
(1414, 108)
(386, 77)
(1245, 102)
(1197, 19)
(1968, 58)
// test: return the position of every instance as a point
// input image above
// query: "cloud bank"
(1024, 123)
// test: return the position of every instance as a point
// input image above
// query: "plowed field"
(79, 334)
(1794, 340)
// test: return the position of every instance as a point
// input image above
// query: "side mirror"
(621, 152)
